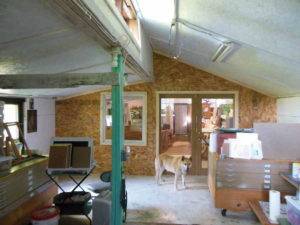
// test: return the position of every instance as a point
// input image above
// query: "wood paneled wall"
(80, 116)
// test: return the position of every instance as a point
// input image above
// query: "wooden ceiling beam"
(66, 80)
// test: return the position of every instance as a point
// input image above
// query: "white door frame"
(158, 93)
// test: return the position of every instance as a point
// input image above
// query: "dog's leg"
(156, 176)
(175, 182)
(161, 170)
(183, 181)
(157, 170)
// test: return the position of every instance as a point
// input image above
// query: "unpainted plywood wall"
(80, 116)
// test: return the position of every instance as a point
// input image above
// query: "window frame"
(103, 140)
(134, 33)
(20, 103)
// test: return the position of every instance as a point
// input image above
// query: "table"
(85, 210)
(70, 172)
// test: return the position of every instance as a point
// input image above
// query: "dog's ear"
(182, 158)
(191, 159)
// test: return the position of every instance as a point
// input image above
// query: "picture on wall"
(31, 120)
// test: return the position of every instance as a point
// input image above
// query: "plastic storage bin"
(293, 210)
(71, 203)
(45, 216)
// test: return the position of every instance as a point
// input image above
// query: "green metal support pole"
(117, 141)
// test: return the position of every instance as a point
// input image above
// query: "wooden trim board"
(254, 205)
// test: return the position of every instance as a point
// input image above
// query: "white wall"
(40, 140)
(288, 110)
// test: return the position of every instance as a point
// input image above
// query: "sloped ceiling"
(266, 34)
(36, 38)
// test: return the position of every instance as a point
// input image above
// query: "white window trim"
(143, 142)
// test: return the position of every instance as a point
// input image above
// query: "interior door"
(180, 113)
(175, 124)
(196, 135)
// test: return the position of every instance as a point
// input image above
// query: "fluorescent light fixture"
(223, 51)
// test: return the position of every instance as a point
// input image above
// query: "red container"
(45, 216)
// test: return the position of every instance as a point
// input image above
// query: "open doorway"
(186, 122)
(175, 126)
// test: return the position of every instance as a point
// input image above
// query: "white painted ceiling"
(266, 34)
(35, 38)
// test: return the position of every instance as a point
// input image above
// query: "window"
(135, 121)
(127, 10)
(13, 112)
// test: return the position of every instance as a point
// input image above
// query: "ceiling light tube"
(224, 49)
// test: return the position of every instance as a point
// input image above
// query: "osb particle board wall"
(80, 116)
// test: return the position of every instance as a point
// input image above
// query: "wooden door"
(196, 136)
(180, 113)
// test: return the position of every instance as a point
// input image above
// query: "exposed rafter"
(67, 80)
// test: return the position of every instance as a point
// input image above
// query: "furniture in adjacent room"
(166, 139)
(180, 148)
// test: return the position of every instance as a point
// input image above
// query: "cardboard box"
(81, 157)
(60, 156)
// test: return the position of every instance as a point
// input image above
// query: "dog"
(179, 165)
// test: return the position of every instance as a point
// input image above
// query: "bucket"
(45, 216)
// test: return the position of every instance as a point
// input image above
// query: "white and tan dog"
(179, 165)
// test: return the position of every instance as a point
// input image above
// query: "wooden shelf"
(255, 206)
(293, 181)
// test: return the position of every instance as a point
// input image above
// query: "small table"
(71, 172)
